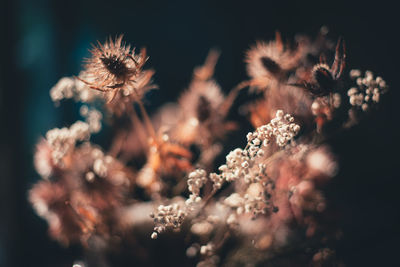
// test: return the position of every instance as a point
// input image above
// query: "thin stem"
(207, 199)
(206, 71)
(232, 96)
(117, 145)
(222, 240)
(121, 137)
(147, 121)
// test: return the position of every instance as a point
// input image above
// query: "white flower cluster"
(207, 249)
(167, 216)
(209, 257)
(93, 118)
(282, 128)
(173, 215)
(101, 163)
(70, 87)
(202, 228)
(62, 140)
(217, 180)
(64, 89)
(247, 204)
(254, 204)
(242, 163)
(367, 90)
(196, 180)
(237, 165)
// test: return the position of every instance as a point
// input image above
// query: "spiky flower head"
(113, 66)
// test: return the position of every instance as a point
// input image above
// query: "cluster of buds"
(170, 216)
(367, 90)
(196, 180)
(282, 128)
(237, 165)
(255, 202)
(207, 249)
(100, 165)
(92, 117)
(63, 140)
(70, 87)
(240, 162)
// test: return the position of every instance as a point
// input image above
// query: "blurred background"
(44, 40)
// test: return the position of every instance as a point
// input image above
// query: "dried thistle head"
(324, 78)
(203, 114)
(268, 62)
(201, 100)
(113, 66)
(203, 107)
(123, 100)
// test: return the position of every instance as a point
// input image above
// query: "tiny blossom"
(237, 165)
(232, 220)
(255, 201)
(63, 140)
(240, 162)
(154, 235)
(355, 73)
(79, 130)
(63, 89)
(196, 180)
(282, 128)
(145, 177)
(207, 249)
(43, 160)
(234, 200)
(93, 118)
(70, 87)
(217, 180)
(100, 168)
(323, 161)
(254, 204)
(202, 228)
(192, 200)
(192, 251)
(336, 100)
(170, 216)
(90, 176)
(367, 91)
(247, 204)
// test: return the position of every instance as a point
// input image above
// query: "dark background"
(44, 40)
